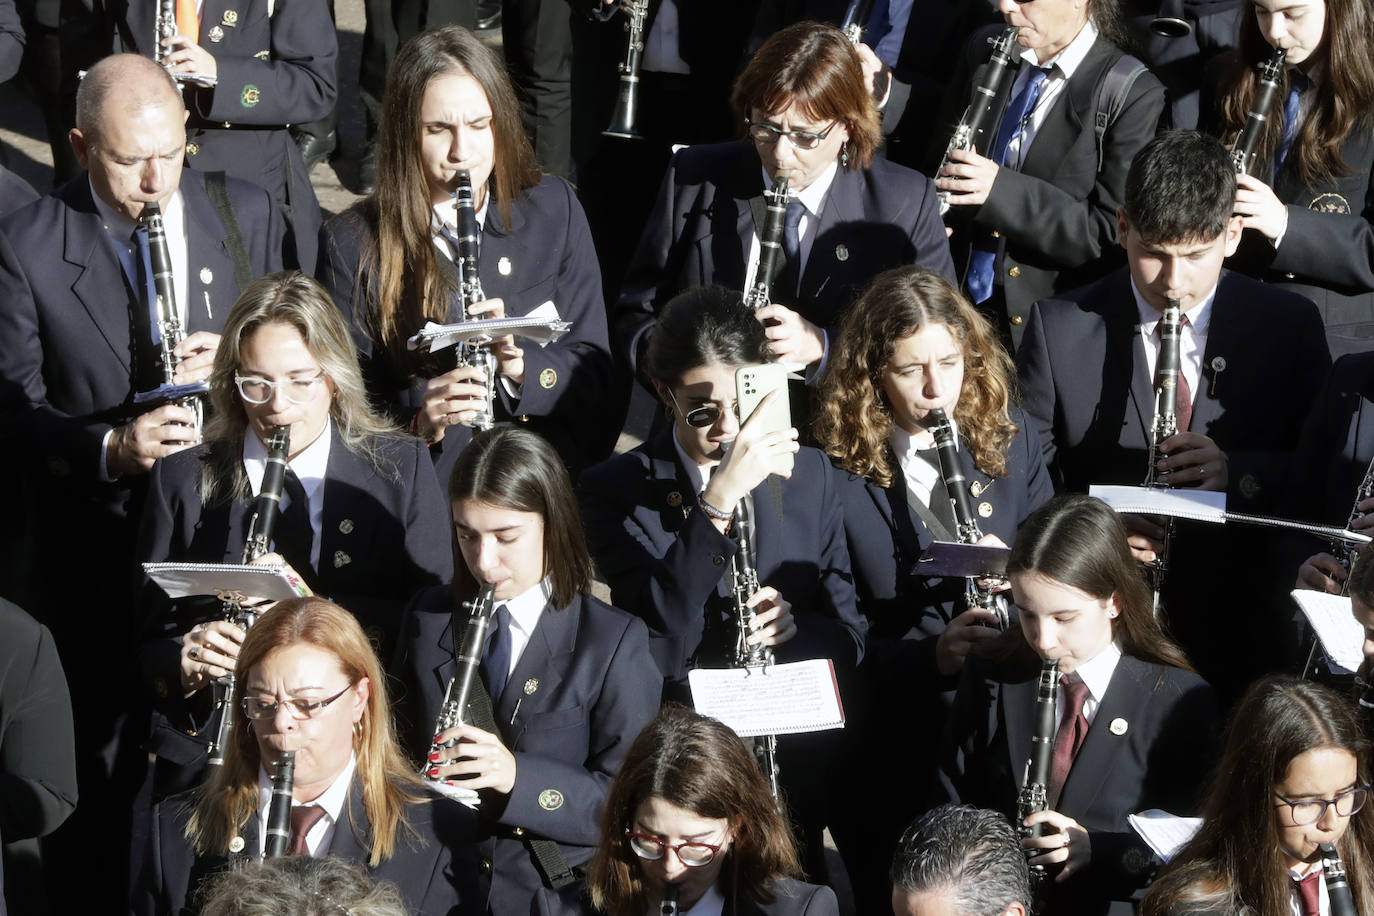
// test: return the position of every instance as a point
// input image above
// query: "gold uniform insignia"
(674, 498)
(192, 149)
(250, 96)
(551, 799)
(217, 34)
(841, 253)
(346, 526)
(341, 559)
(1330, 203)
(231, 18)
(236, 844)
(207, 276)
(1118, 726)
(985, 510)
(531, 686)
(548, 378)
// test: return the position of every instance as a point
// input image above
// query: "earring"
(844, 158)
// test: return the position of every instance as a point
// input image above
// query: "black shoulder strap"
(218, 189)
(1111, 96)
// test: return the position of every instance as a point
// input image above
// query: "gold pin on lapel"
(341, 559)
(985, 510)
(216, 34)
(346, 526)
(841, 253)
(207, 276)
(531, 686)
(1118, 726)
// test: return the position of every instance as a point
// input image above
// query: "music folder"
(542, 326)
(950, 558)
(227, 581)
(770, 699)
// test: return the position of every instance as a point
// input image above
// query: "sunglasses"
(699, 417)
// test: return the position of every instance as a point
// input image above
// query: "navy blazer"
(437, 870)
(545, 254)
(1149, 741)
(701, 229)
(793, 898)
(1054, 221)
(583, 688)
(669, 565)
(273, 71)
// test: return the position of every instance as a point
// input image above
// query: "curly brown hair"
(854, 419)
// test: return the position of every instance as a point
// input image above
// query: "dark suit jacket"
(794, 898)
(669, 565)
(545, 254)
(1083, 381)
(1149, 741)
(437, 871)
(273, 71)
(583, 688)
(1054, 221)
(382, 539)
(700, 231)
(1179, 61)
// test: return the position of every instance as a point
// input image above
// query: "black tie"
(295, 538)
(496, 656)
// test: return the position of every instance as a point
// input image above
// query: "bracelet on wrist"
(712, 512)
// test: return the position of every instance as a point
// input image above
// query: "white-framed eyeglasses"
(257, 390)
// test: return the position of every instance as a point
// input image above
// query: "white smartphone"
(752, 384)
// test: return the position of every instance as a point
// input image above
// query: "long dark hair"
(516, 469)
(700, 326)
(1234, 863)
(701, 766)
(1344, 94)
(1079, 541)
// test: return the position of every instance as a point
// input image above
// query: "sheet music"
(1341, 635)
(227, 580)
(1199, 505)
(1165, 833)
(542, 326)
(775, 700)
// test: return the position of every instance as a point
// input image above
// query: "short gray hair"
(971, 853)
(301, 886)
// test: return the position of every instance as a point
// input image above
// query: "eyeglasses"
(263, 708)
(693, 855)
(256, 390)
(699, 417)
(768, 134)
(1310, 810)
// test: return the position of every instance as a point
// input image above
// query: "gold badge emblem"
(206, 276)
(1330, 203)
(976, 488)
(548, 378)
(192, 149)
(1118, 726)
(531, 686)
(217, 34)
(236, 844)
(551, 799)
(264, 54)
(985, 510)
(231, 18)
(250, 96)
(674, 498)
(341, 559)
(503, 266)
(346, 526)
(841, 253)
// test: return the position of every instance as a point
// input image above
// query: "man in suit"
(957, 860)
(1252, 358)
(76, 345)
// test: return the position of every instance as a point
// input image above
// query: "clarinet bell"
(1170, 22)
(626, 105)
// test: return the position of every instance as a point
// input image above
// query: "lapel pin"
(548, 378)
(551, 799)
(1218, 367)
(341, 559)
(531, 685)
(674, 498)
(985, 510)
(976, 488)
(236, 844)
(1118, 726)
(841, 253)
(217, 34)
(206, 276)
(346, 526)
(503, 266)
(231, 18)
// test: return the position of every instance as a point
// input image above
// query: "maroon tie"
(1073, 728)
(303, 817)
(1183, 395)
(1309, 894)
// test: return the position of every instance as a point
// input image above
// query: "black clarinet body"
(1163, 426)
(467, 656)
(266, 509)
(744, 582)
(770, 244)
(1170, 22)
(1337, 887)
(474, 352)
(626, 111)
(977, 594)
(855, 19)
(1268, 75)
(1034, 795)
(170, 331)
(278, 836)
(970, 132)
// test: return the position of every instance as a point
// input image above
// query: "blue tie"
(1297, 84)
(1014, 122)
(791, 235)
(496, 656)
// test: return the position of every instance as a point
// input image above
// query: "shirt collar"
(904, 444)
(331, 800)
(446, 214)
(310, 465)
(1199, 316)
(1096, 672)
(812, 197)
(118, 224)
(526, 608)
(697, 474)
(1068, 60)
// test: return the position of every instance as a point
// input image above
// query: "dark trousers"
(537, 39)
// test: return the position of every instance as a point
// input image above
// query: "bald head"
(122, 83)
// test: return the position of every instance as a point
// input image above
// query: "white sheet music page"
(777, 700)
(227, 580)
(1341, 635)
(1199, 505)
(1165, 833)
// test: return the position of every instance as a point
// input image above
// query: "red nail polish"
(434, 771)
(434, 757)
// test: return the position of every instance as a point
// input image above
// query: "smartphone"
(752, 384)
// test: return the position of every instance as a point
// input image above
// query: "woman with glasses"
(1294, 774)
(361, 520)
(912, 345)
(805, 109)
(1033, 209)
(1306, 198)
(309, 682)
(689, 816)
(663, 522)
(391, 260)
(1132, 721)
(568, 679)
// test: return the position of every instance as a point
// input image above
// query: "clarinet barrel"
(770, 244)
(1337, 887)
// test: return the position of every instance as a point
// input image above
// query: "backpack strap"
(1111, 96)
(218, 190)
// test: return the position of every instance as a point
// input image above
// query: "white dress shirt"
(1192, 339)
(525, 609)
(310, 466)
(332, 801)
(1096, 673)
(1062, 66)
(1295, 901)
(921, 476)
(812, 198)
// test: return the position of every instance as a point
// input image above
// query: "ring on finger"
(193, 653)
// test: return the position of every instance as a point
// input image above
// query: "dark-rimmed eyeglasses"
(263, 708)
(698, 417)
(256, 390)
(1307, 811)
(693, 855)
(768, 134)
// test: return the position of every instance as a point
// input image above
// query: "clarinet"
(1268, 73)
(168, 319)
(266, 508)
(1337, 889)
(473, 352)
(1165, 424)
(164, 26)
(976, 594)
(1346, 554)
(770, 244)
(1034, 794)
(1364, 685)
(978, 114)
(627, 102)
(1170, 22)
(467, 656)
(744, 579)
(669, 905)
(279, 811)
(855, 19)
